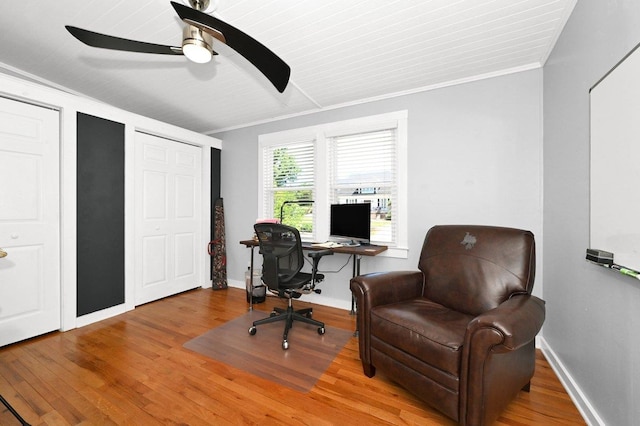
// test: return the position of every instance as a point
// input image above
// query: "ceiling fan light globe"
(196, 53)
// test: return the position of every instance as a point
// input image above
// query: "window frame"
(320, 135)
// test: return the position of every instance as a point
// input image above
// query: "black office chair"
(281, 250)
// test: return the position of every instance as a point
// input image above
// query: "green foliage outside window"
(296, 215)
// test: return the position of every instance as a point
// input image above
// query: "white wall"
(69, 105)
(475, 156)
(593, 314)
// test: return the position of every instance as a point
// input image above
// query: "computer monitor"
(350, 222)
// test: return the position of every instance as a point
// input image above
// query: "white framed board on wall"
(615, 162)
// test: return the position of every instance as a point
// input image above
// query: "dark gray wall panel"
(100, 210)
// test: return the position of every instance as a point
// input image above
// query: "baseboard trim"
(100, 315)
(586, 409)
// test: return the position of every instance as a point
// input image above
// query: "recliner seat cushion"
(424, 329)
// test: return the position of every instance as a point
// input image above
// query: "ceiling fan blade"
(116, 43)
(267, 62)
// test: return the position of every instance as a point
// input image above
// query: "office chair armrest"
(317, 254)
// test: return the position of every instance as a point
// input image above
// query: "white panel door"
(29, 221)
(168, 198)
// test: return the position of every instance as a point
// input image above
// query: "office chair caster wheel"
(273, 314)
(321, 330)
(252, 330)
(285, 345)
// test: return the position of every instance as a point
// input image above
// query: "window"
(363, 170)
(288, 183)
(304, 171)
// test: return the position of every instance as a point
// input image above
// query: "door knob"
(2, 253)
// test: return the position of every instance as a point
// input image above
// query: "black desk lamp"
(301, 202)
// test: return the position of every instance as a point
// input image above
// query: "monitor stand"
(351, 243)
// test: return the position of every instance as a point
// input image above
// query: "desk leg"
(356, 272)
(251, 282)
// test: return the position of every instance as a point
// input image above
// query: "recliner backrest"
(281, 249)
(473, 269)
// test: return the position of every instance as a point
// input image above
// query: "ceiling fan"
(198, 34)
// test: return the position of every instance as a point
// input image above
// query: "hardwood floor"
(133, 369)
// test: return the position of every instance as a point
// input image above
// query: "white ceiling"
(340, 52)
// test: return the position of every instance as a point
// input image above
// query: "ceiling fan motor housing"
(194, 40)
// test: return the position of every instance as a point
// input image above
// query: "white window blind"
(363, 169)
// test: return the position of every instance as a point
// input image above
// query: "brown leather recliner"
(460, 332)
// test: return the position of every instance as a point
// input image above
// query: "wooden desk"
(356, 251)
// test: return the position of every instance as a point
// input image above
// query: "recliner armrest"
(498, 356)
(518, 320)
(382, 288)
